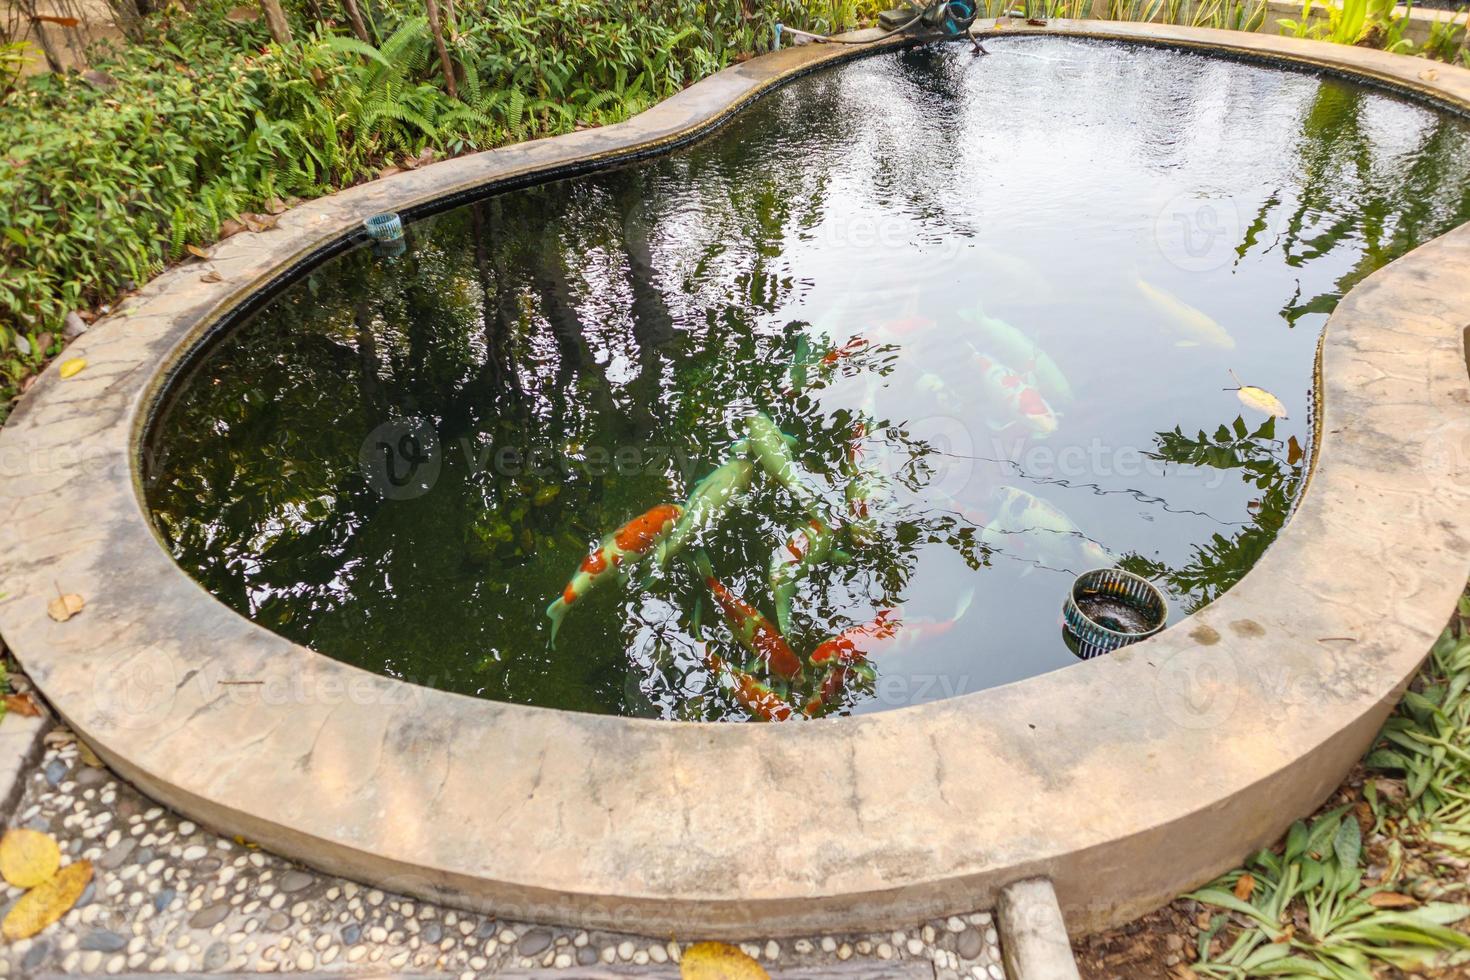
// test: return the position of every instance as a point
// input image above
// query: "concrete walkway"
(169, 896)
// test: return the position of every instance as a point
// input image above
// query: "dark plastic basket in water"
(1109, 608)
(385, 227)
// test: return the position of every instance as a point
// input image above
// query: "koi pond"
(823, 413)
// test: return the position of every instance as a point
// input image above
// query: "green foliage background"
(106, 177)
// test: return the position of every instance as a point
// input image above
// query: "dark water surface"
(1037, 269)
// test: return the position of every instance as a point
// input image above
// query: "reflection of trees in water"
(1349, 191)
(1273, 468)
(549, 318)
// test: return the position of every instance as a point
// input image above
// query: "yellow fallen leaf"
(197, 252)
(1245, 885)
(28, 857)
(88, 757)
(64, 607)
(73, 367)
(1262, 401)
(1259, 398)
(719, 961)
(47, 902)
(1430, 74)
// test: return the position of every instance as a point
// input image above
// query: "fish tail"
(556, 612)
(963, 606)
(840, 557)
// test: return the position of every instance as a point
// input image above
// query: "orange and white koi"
(751, 694)
(1025, 523)
(844, 657)
(632, 540)
(904, 326)
(860, 488)
(1017, 396)
(711, 498)
(914, 631)
(851, 645)
(799, 374)
(1016, 347)
(754, 631)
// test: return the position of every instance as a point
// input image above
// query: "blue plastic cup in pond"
(385, 227)
(1108, 608)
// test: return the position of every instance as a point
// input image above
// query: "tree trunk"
(355, 16)
(445, 64)
(275, 19)
(43, 37)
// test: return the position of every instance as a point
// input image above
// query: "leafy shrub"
(105, 178)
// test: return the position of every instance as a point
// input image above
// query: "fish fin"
(783, 610)
(963, 606)
(696, 625)
(790, 440)
(702, 564)
(556, 612)
(840, 557)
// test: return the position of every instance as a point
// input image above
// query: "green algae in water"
(1039, 266)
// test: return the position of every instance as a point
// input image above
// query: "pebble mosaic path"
(169, 896)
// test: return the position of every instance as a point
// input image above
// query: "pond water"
(991, 308)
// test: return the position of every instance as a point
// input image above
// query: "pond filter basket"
(385, 227)
(1108, 608)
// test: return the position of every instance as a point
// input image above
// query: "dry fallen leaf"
(243, 15)
(47, 902)
(197, 252)
(1429, 74)
(21, 704)
(1244, 886)
(1391, 900)
(275, 205)
(260, 222)
(229, 227)
(28, 857)
(388, 172)
(64, 607)
(52, 19)
(211, 277)
(1294, 452)
(73, 367)
(719, 961)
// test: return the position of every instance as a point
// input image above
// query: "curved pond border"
(1125, 779)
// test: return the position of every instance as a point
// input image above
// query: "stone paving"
(168, 896)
